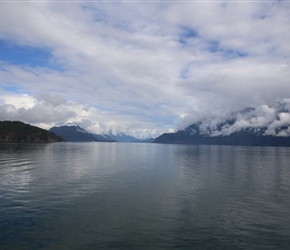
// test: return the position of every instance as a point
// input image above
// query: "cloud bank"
(141, 67)
(262, 120)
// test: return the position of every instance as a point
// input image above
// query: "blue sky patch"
(214, 47)
(23, 55)
(11, 88)
(186, 34)
(184, 71)
(230, 53)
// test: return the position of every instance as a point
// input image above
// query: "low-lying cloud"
(46, 111)
(263, 120)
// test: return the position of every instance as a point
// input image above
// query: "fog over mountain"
(261, 126)
(262, 120)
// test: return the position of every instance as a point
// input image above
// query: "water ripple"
(133, 196)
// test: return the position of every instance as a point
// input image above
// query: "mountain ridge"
(263, 126)
(75, 133)
(17, 131)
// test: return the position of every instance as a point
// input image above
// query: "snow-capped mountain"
(264, 125)
(78, 134)
(122, 137)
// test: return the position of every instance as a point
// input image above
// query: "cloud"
(46, 110)
(142, 67)
(264, 120)
(32, 110)
(49, 99)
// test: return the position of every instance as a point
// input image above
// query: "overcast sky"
(143, 68)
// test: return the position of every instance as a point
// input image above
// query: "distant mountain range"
(16, 131)
(247, 137)
(121, 137)
(78, 134)
(104, 138)
(263, 126)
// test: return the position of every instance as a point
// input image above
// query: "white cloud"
(29, 109)
(139, 67)
(265, 120)
(47, 110)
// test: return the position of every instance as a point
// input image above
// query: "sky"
(140, 67)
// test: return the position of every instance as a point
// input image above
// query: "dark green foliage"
(16, 131)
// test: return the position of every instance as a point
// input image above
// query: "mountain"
(262, 126)
(16, 131)
(78, 134)
(121, 137)
(242, 138)
(103, 137)
(73, 133)
(148, 140)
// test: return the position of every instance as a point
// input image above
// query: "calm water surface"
(143, 196)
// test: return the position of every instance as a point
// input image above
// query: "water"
(143, 196)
